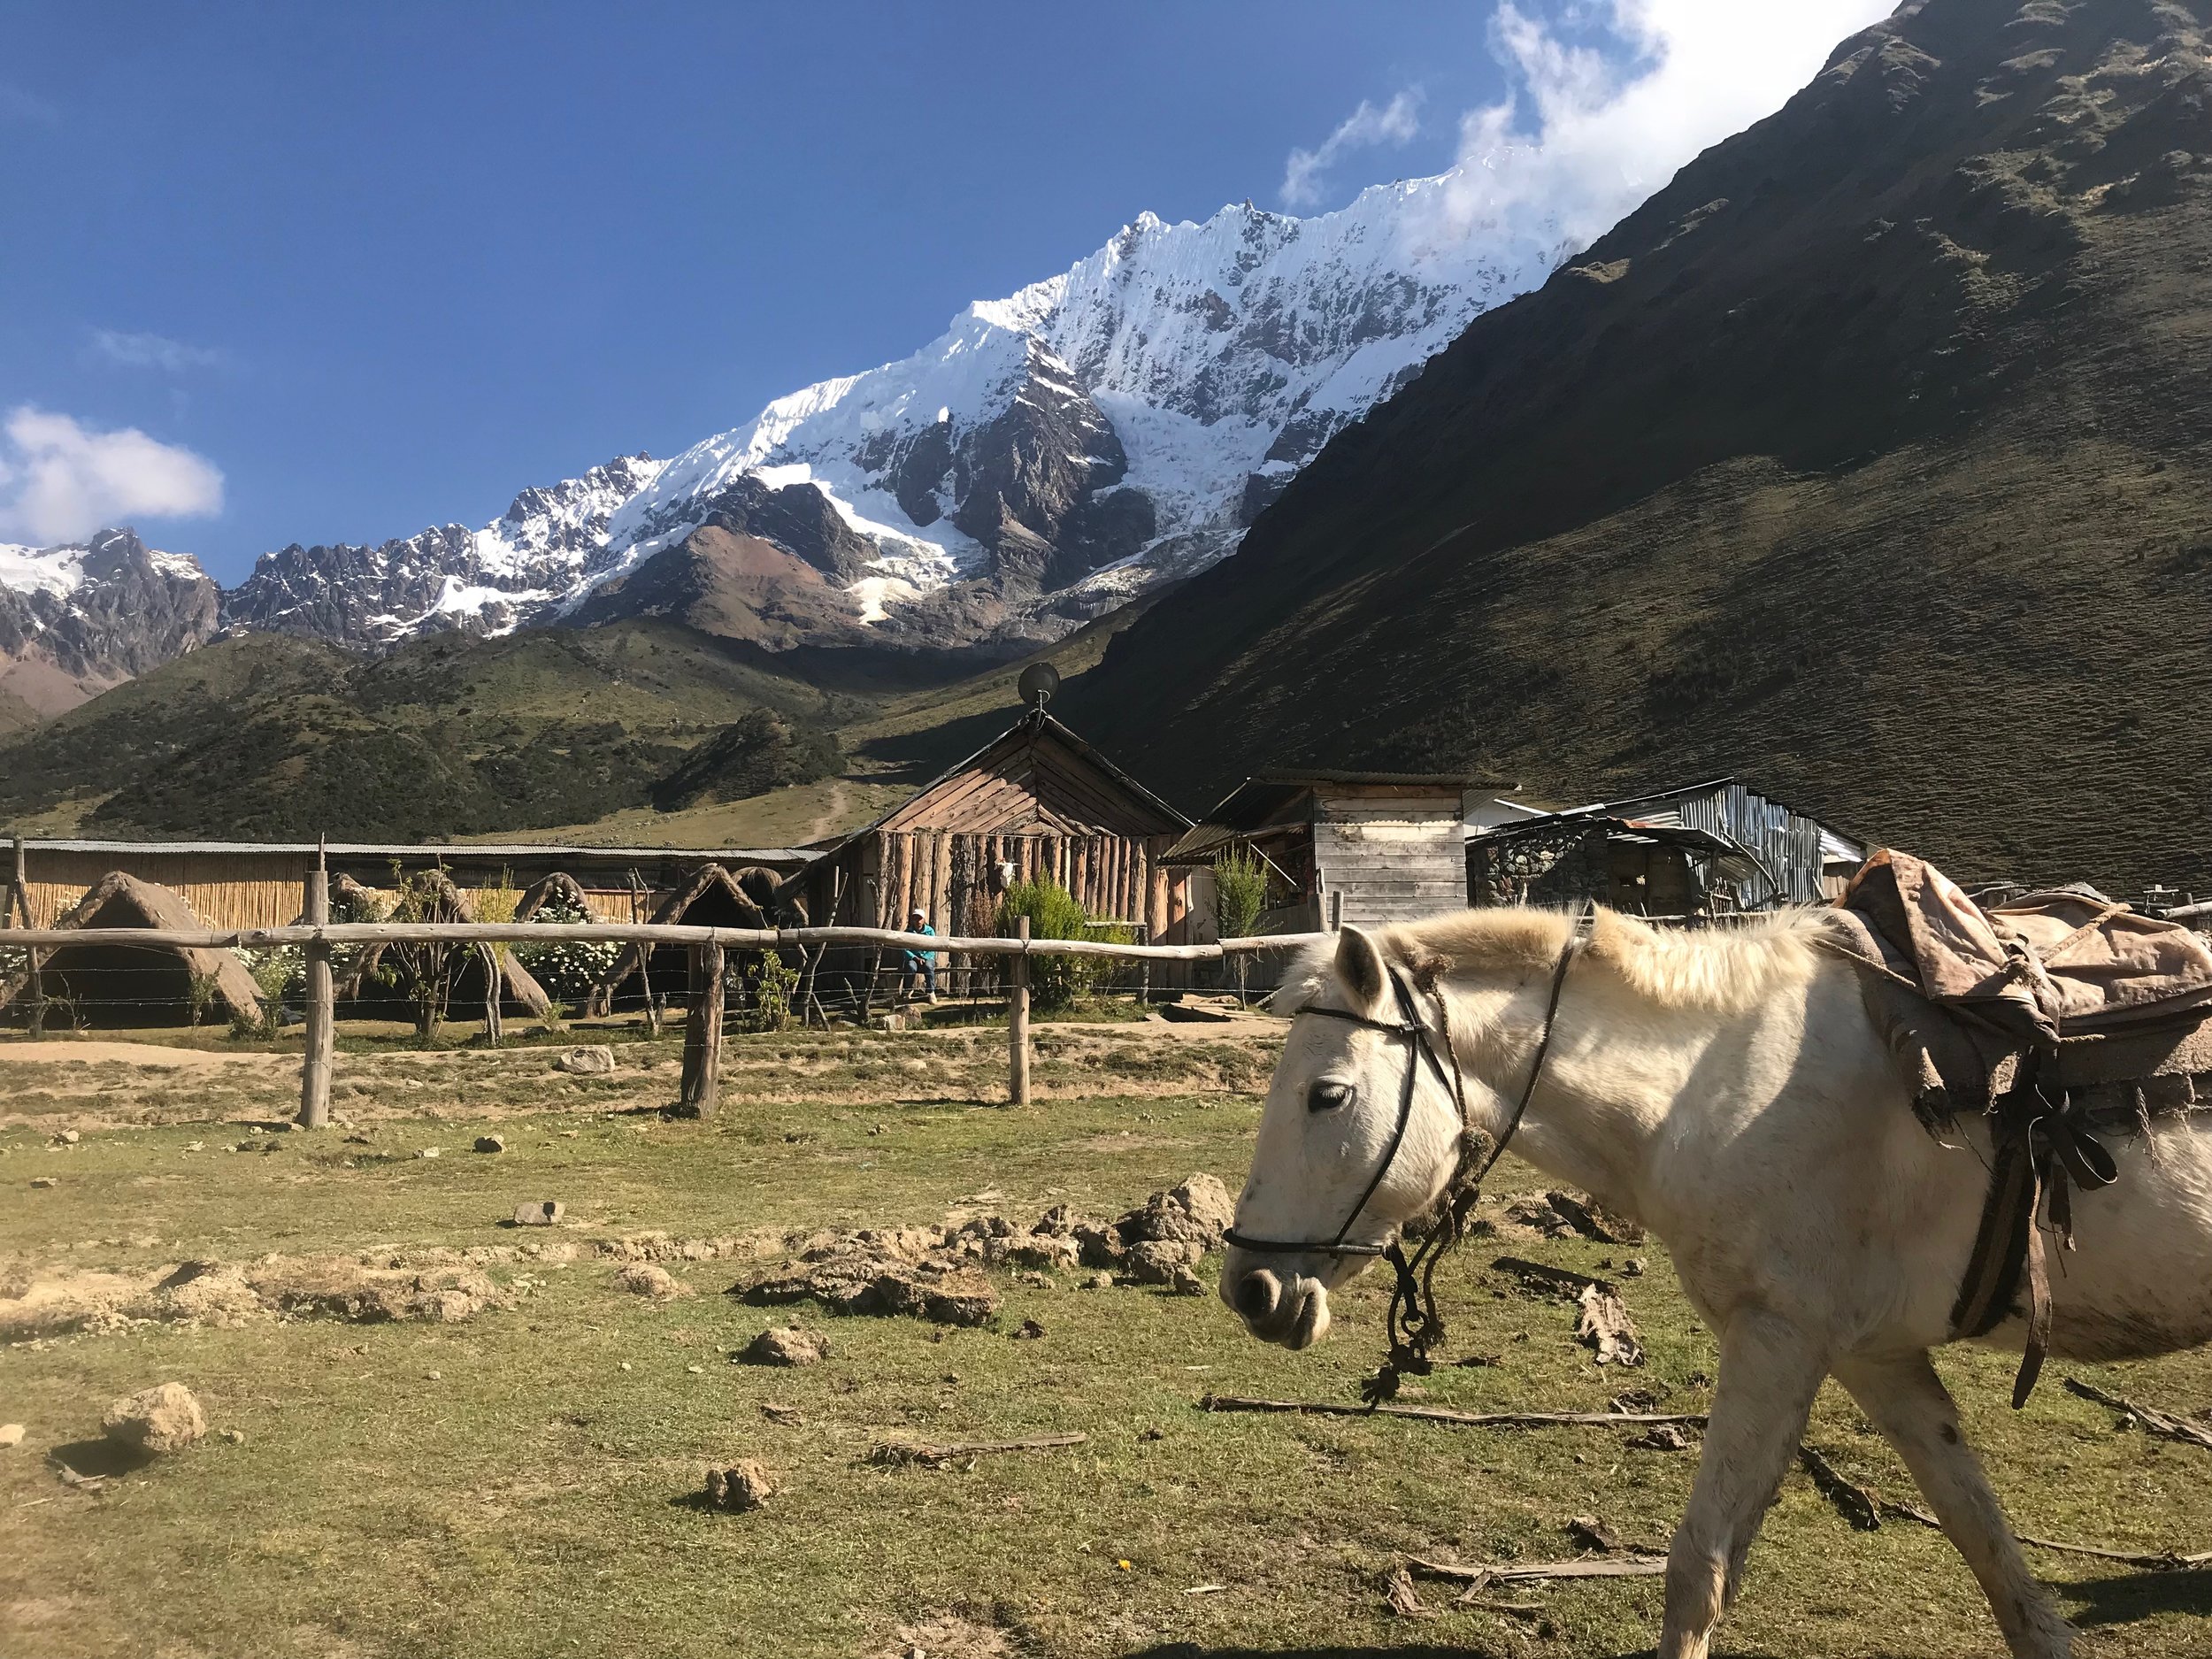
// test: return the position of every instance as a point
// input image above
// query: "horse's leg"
(1908, 1401)
(1770, 1371)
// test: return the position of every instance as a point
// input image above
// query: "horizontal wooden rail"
(707, 944)
(623, 932)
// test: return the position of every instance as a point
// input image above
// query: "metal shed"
(1363, 847)
(1716, 846)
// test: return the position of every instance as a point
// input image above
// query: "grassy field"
(523, 1483)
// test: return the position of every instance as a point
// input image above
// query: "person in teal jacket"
(921, 963)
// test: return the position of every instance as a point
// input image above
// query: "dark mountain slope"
(272, 736)
(1872, 459)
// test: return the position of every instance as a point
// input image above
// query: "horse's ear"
(1361, 970)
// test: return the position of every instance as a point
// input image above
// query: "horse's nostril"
(1256, 1295)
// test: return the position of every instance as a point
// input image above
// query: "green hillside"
(1870, 461)
(268, 735)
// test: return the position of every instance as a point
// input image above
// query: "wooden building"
(248, 884)
(1708, 849)
(1357, 848)
(1036, 801)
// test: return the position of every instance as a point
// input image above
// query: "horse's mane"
(1723, 969)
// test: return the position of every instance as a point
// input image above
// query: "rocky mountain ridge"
(78, 619)
(1050, 456)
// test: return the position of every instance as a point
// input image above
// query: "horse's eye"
(1326, 1097)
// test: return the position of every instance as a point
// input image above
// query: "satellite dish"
(1037, 684)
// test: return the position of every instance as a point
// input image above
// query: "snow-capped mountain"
(1044, 459)
(1060, 449)
(548, 542)
(1047, 459)
(76, 619)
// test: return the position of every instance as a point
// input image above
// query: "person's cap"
(916, 915)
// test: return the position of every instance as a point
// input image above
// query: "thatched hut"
(135, 985)
(558, 888)
(755, 897)
(376, 995)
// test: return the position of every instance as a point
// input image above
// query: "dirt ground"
(433, 1431)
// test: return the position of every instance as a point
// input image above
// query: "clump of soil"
(786, 1345)
(741, 1488)
(445, 1290)
(155, 1421)
(649, 1278)
(933, 1272)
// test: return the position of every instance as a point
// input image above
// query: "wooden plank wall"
(224, 890)
(948, 875)
(231, 889)
(1395, 859)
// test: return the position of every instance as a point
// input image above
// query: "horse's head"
(1362, 1130)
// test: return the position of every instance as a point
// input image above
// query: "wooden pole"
(20, 898)
(1017, 1020)
(703, 1033)
(868, 991)
(322, 1006)
(495, 982)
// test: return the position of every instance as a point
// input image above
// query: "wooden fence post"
(703, 1033)
(1017, 1019)
(494, 985)
(868, 996)
(20, 900)
(322, 1007)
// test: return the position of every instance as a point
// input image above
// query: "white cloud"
(1395, 123)
(1593, 128)
(154, 351)
(60, 480)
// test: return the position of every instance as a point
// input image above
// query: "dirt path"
(100, 1050)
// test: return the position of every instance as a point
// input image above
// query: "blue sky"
(384, 265)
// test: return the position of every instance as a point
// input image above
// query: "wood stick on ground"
(1463, 1419)
(1857, 1504)
(1635, 1566)
(2149, 1419)
(2155, 1561)
(1543, 1275)
(933, 1456)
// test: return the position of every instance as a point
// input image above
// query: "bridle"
(1414, 1324)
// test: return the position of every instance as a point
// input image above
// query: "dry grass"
(534, 1495)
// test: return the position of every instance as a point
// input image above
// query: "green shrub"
(1057, 982)
(771, 985)
(1239, 892)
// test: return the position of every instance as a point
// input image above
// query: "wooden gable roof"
(1037, 778)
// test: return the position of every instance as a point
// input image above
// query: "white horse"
(1728, 1090)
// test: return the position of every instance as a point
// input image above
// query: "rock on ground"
(11, 1434)
(743, 1486)
(586, 1060)
(164, 1418)
(785, 1345)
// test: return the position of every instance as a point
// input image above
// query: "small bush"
(1239, 892)
(1056, 982)
(769, 988)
